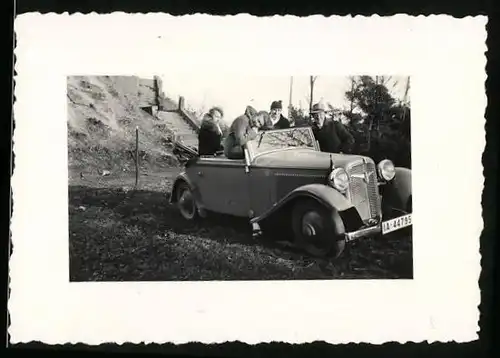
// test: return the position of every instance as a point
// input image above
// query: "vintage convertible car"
(285, 183)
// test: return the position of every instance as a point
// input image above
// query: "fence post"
(136, 156)
(181, 103)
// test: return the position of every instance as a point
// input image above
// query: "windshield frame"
(254, 154)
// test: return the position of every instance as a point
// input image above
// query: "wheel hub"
(186, 204)
(313, 227)
(309, 230)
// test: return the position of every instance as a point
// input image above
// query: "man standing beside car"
(332, 136)
(243, 129)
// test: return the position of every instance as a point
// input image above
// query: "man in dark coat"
(278, 121)
(210, 133)
(243, 129)
(332, 136)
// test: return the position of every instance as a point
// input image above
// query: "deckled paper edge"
(16, 136)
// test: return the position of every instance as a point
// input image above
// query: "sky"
(234, 93)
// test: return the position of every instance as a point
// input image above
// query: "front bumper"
(383, 227)
(363, 232)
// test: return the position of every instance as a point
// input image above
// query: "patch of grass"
(125, 236)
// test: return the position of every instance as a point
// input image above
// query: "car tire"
(314, 230)
(185, 201)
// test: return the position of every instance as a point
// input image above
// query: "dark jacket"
(209, 138)
(333, 137)
(239, 133)
(282, 123)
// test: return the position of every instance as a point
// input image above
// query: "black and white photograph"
(211, 179)
(298, 177)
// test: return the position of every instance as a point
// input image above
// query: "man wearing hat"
(278, 121)
(332, 136)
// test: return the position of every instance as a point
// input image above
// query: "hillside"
(103, 112)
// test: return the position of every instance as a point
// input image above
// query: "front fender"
(327, 196)
(397, 193)
(182, 177)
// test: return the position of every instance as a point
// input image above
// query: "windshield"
(282, 139)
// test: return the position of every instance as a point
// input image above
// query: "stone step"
(185, 139)
(180, 128)
(187, 136)
(178, 125)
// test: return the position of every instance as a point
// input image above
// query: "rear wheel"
(314, 230)
(185, 202)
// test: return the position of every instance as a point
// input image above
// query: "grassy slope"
(103, 112)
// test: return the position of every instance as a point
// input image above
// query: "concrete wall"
(193, 122)
(150, 94)
(146, 90)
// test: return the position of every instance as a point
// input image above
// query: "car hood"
(303, 159)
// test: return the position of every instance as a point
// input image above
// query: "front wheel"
(185, 202)
(314, 230)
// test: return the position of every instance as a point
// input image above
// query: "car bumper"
(363, 232)
(384, 227)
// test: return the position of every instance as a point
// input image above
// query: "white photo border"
(445, 58)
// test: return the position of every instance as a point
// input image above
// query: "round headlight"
(386, 169)
(338, 179)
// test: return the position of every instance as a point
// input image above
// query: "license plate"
(396, 224)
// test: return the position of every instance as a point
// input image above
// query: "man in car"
(210, 134)
(243, 129)
(332, 136)
(278, 121)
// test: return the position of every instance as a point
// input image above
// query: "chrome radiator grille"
(363, 190)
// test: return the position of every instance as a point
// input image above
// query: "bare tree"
(373, 117)
(405, 97)
(384, 80)
(312, 81)
(407, 88)
(351, 101)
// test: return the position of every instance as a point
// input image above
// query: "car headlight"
(386, 169)
(338, 179)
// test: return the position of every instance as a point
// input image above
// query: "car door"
(262, 188)
(223, 185)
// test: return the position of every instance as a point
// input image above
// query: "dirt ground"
(117, 234)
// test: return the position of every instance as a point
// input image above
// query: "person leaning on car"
(332, 136)
(210, 134)
(243, 129)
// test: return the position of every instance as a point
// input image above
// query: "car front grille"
(364, 194)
